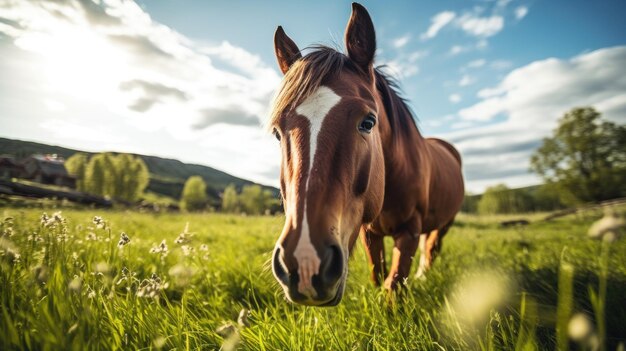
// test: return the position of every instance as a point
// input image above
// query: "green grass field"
(65, 284)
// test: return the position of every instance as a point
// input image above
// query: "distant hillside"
(167, 176)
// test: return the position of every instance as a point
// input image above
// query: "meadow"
(113, 279)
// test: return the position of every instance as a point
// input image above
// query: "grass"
(65, 284)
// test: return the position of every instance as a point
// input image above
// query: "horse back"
(446, 188)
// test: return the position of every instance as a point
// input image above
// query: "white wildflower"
(75, 284)
(579, 327)
(160, 249)
(99, 222)
(185, 236)
(151, 288)
(244, 314)
(608, 228)
(124, 240)
(187, 250)
(181, 274)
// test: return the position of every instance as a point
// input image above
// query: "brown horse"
(353, 161)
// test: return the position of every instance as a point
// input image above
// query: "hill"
(167, 176)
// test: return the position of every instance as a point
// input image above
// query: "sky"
(193, 80)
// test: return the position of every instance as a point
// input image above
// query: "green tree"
(131, 177)
(194, 197)
(255, 200)
(76, 166)
(230, 199)
(95, 177)
(585, 158)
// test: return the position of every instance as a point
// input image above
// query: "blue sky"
(193, 79)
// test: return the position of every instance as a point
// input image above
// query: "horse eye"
(276, 134)
(367, 124)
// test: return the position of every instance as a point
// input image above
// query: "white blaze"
(314, 108)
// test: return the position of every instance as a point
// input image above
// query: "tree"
(255, 200)
(501, 199)
(122, 176)
(76, 166)
(95, 178)
(585, 158)
(230, 200)
(194, 197)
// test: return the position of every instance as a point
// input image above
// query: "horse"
(353, 164)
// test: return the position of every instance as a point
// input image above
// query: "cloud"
(149, 93)
(110, 60)
(457, 49)
(481, 27)
(438, 21)
(230, 115)
(521, 12)
(498, 134)
(476, 63)
(401, 41)
(114, 51)
(466, 80)
(501, 64)
(404, 65)
(454, 98)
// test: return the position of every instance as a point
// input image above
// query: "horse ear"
(286, 50)
(360, 37)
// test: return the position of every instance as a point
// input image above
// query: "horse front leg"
(404, 247)
(375, 250)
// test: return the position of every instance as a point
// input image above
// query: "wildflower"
(579, 327)
(101, 268)
(608, 228)
(181, 274)
(99, 222)
(204, 247)
(44, 219)
(55, 220)
(244, 314)
(91, 236)
(161, 248)
(7, 227)
(75, 284)
(91, 294)
(127, 276)
(226, 330)
(159, 342)
(151, 288)
(124, 240)
(187, 250)
(185, 236)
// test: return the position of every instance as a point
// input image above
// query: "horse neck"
(403, 145)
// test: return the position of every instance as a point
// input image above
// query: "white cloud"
(54, 105)
(521, 12)
(401, 41)
(476, 63)
(454, 98)
(457, 49)
(405, 65)
(501, 64)
(438, 21)
(528, 102)
(481, 27)
(143, 77)
(466, 80)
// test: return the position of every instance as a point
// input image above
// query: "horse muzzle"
(326, 287)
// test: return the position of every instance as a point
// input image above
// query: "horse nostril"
(332, 266)
(277, 266)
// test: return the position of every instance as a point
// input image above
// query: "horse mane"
(325, 63)
(399, 114)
